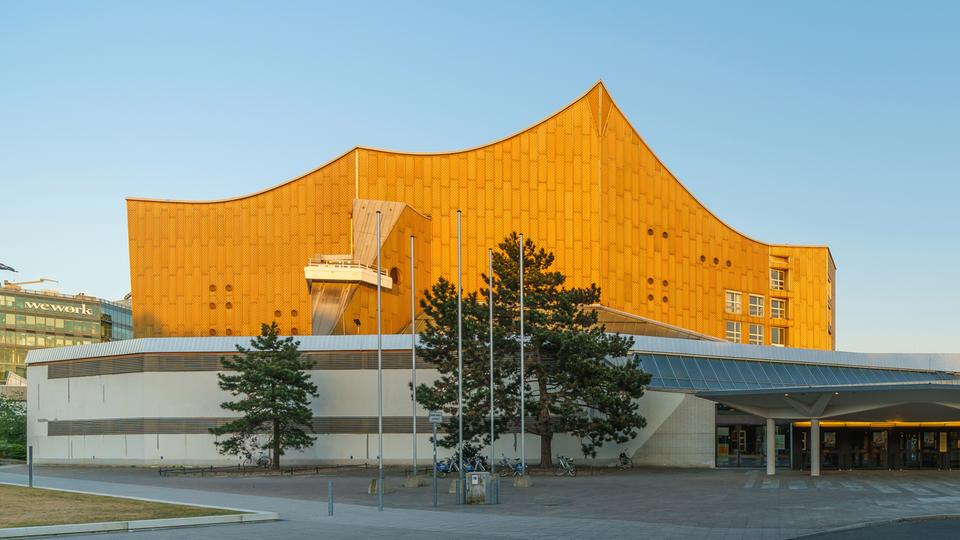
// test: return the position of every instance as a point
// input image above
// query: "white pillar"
(771, 446)
(815, 447)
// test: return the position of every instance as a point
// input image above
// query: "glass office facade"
(35, 320)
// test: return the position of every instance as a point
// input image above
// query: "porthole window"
(729, 264)
(703, 258)
(213, 306)
(395, 275)
(650, 232)
(650, 280)
(665, 235)
(213, 332)
(294, 331)
(665, 283)
(716, 260)
(229, 288)
(277, 313)
(229, 331)
(228, 305)
(664, 299)
(294, 313)
(213, 288)
(650, 297)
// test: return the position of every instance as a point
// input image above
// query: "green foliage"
(273, 387)
(571, 385)
(13, 429)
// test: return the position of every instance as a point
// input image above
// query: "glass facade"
(680, 372)
(35, 320)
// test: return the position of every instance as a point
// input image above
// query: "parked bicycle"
(263, 460)
(625, 461)
(506, 468)
(565, 467)
(447, 466)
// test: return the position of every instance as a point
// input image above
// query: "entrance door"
(910, 449)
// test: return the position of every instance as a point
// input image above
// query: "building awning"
(918, 402)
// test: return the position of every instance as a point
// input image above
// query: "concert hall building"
(739, 335)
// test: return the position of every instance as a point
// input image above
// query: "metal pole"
(493, 458)
(434, 463)
(30, 465)
(460, 474)
(379, 381)
(413, 350)
(329, 497)
(523, 391)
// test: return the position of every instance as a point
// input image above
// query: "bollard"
(30, 465)
(496, 494)
(329, 497)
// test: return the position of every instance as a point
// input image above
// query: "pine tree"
(572, 386)
(273, 388)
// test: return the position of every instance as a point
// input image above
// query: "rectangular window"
(778, 336)
(778, 308)
(756, 305)
(733, 331)
(756, 334)
(733, 302)
(778, 279)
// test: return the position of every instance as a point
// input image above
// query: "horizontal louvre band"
(153, 363)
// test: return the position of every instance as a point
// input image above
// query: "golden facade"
(581, 183)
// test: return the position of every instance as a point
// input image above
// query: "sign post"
(435, 418)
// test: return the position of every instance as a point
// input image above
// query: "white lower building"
(152, 401)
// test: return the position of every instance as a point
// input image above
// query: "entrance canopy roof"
(918, 402)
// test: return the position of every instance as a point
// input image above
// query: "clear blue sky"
(797, 122)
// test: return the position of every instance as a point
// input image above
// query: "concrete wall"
(679, 432)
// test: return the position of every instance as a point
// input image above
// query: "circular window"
(229, 331)
(664, 299)
(294, 331)
(213, 306)
(229, 288)
(213, 332)
(277, 313)
(213, 288)
(650, 280)
(294, 313)
(729, 264)
(716, 260)
(665, 283)
(650, 232)
(395, 275)
(650, 297)
(703, 258)
(665, 235)
(228, 305)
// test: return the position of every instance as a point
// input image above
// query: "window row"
(755, 336)
(733, 303)
(50, 324)
(41, 340)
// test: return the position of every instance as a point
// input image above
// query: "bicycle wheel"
(573, 470)
(441, 474)
(559, 471)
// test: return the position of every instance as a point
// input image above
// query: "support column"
(815, 447)
(771, 447)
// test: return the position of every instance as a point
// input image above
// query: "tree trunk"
(276, 445)
(544, 427)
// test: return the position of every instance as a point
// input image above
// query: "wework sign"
(82, 309)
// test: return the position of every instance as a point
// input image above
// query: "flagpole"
(460, 358)
(413, 350)
(379, 381)
(493, 458)
(523, 391)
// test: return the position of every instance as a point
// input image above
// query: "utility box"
(480, 488)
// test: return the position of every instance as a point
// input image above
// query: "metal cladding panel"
(581, 183)
(401, 342)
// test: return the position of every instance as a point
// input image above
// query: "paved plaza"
(642, 503)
